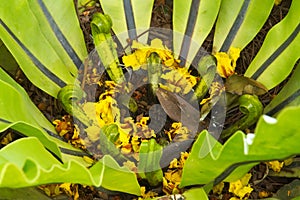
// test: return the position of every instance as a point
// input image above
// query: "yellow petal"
(157, 43)
(123, 137)
(275, 165)
(240, 187)
(67, 188)
(203, 101)
(245, 180)
(234, 54)
(224, 67)
(135, 143)
(179, 80)
(130, 60)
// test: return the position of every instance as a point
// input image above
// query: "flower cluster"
(172, 176)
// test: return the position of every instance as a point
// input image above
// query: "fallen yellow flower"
(138, 59)
(226, 62)
(108, 111)
(172, 176)
(215, 90)
(178, 132)
(275, 165)
(70, 189)
(241, 188)
(179, 81)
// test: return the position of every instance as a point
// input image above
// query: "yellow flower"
(215, 90)
(241, 188)
(178, 132)
(138, 59)
(275, 165)
(143, 131)
(179, 81)
(172, 176)
(124, 137)
(70, 189)
(7, 139)
(135, 144)
(226, 62)
(107, 111)
(264, 194)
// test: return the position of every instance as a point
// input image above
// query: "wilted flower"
(226, 62)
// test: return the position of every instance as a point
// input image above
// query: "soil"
(162, 17)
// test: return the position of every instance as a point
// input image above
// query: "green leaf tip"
(20, 166)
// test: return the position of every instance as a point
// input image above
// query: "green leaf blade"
(288, 95)
(274, 139)
(141, 12)
(205, 15)
(38, 50)
(279, 52)
(31, 168)
(236, 27)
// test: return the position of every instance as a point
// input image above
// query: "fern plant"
(52, 51)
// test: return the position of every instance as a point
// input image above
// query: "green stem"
(101, 25)
(154, 71)
(207, 69)
(252, 108)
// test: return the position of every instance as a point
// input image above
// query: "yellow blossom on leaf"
(226, 62)
(241, 188)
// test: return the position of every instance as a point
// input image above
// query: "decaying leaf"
(239, 85)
